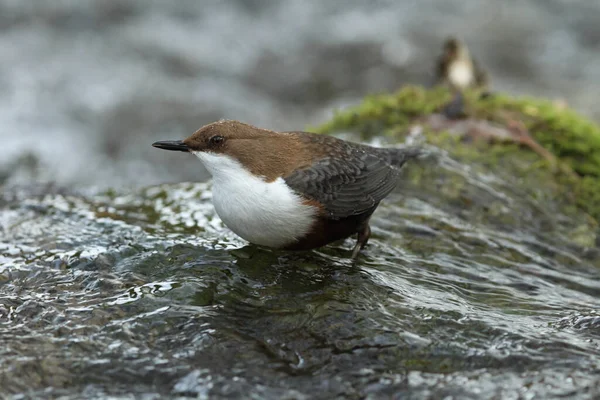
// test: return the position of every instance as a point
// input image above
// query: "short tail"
(400, 156)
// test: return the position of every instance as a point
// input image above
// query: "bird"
(457, 69)
(293, 190)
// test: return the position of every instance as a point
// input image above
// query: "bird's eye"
(218, 139)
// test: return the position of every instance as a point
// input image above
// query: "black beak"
(175, 145)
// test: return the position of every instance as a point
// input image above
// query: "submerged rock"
(480, 281)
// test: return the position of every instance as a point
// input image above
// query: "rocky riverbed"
(482, 278)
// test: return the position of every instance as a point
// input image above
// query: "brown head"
(454, 48)
(261, 151)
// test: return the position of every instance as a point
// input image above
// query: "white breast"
(265, 213)
(461, 73)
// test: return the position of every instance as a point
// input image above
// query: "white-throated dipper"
(293, 190)
(458, 69)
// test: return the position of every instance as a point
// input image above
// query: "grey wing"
(348, 186)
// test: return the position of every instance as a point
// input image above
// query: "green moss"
(571, 138)
(574, 139)
(387, 113)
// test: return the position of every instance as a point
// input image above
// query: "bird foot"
(361, 241)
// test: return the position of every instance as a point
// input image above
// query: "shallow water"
(475, 284)
(146, 292)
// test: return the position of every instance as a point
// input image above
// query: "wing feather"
(352, 184)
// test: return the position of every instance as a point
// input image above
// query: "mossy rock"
(571, 138)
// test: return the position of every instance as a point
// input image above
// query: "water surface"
(146, 292)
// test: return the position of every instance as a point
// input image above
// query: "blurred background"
(87, 85)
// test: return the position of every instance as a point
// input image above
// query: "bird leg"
(361, 240)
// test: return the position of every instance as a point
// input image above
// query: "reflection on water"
(147, 292)
(474, 284)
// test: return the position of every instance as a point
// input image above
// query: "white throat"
(461, 73)
(264, 213)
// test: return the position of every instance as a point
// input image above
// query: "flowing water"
(146, 292)
(475, 284)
